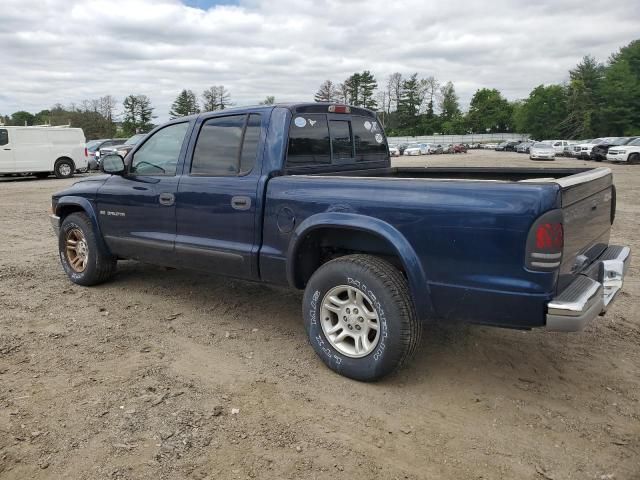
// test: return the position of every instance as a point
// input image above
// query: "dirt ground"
(174, 374)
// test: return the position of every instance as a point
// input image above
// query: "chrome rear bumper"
(587, 298)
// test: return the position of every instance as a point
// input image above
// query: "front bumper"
(55, 224)
(586, 298)
(618, 157)
(537, 156)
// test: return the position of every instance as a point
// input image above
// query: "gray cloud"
(69, 50)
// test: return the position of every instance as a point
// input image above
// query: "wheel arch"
(366, 235)
(68, 205)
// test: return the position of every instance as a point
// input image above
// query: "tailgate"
(587, 200)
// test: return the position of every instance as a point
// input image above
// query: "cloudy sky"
(64, 51)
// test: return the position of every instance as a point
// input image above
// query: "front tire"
(634, 158)
(360, 318)
(64, 168)
(81, 258)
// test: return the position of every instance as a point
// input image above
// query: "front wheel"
(360, 318)
(634, 158)
(82, 260)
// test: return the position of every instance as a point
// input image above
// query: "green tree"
(583, 93)
(620, 92)
(184, 104)
(368, 86)
(409, 105)
(21, 118)
(489, 111)
(449, 103)
(360, 90)
(543, 113)
(138, 114)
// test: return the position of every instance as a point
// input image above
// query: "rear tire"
(82, 260)
(348, 297)
(64, 168)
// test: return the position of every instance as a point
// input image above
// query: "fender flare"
(89, 209)
(417, 279)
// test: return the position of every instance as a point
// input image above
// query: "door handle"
(6, 149)
(167, 199)
(241, 203)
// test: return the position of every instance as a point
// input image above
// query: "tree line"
(599, 99)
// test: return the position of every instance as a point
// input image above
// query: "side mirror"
(112, 164)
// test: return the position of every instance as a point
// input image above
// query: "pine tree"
(368, 87)
(185, 104)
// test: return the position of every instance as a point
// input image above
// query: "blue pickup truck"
(304, 195)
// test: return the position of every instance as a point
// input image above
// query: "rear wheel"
(634, 158)
(360, 318)
(80, 256)
(63, 168)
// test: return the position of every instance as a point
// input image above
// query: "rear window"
(316, 139)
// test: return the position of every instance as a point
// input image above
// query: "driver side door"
(137, 211)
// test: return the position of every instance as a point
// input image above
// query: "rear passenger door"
(216, 199)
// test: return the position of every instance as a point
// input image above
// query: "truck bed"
(505, 174)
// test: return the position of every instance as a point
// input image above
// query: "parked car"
(512, 145)
(542, 151)
(417, 149)
(448, 148)
(599, 151)
(524, 147)
(625, 153)
(394, 151)
(490, 146)
(558, 145)
(271, 194)
(583, 150)
(501, 147)
(94, 146)
(567, 151)
(402, 147)
(437, 149)
(123, 148)
(459, 148)
(42, 151)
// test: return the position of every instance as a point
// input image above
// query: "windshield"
(93, 145)
(635, 142)
(135, 139)
(543, 145)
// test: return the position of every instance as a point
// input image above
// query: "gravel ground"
(172, 374)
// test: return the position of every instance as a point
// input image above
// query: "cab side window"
(226, 146)
(159, 155)
(4, 136)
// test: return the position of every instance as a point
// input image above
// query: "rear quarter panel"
(469, 237)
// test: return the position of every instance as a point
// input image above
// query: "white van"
(42, 151)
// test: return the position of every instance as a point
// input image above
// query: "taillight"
(86, 152)
(545, 242)
(339, 109)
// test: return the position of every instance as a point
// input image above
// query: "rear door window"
(4, 136)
